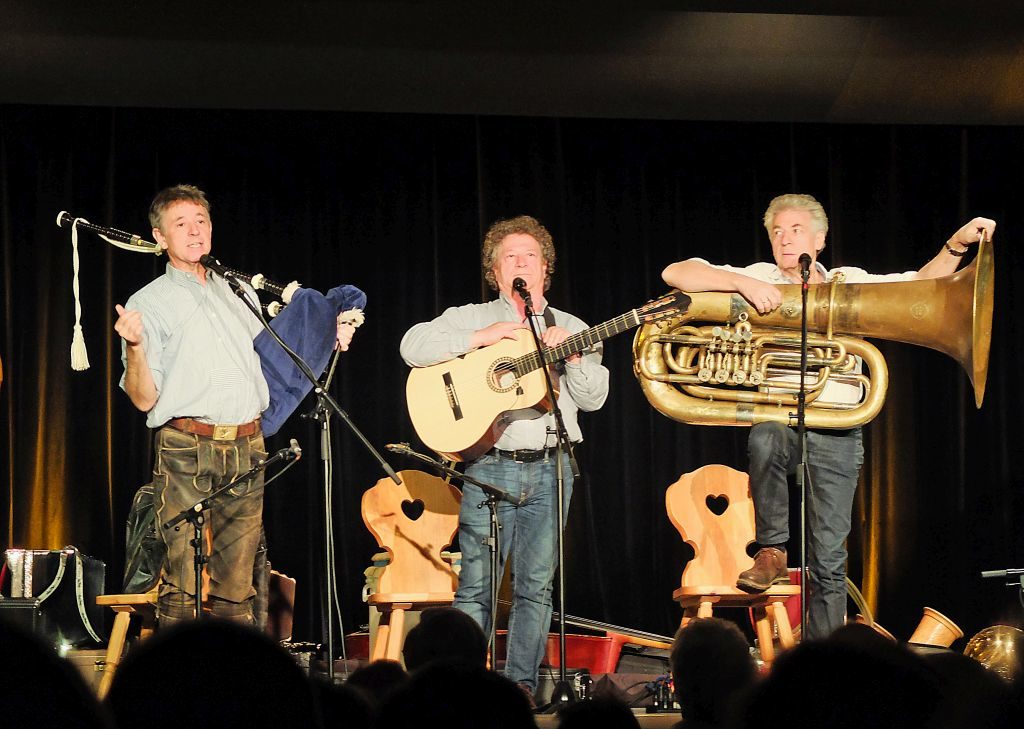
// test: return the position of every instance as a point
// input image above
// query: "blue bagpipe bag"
(308, 326)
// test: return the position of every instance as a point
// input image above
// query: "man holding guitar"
(522, 461)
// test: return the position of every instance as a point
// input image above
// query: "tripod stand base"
(562, 694)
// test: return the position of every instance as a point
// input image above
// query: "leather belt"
(525, 456)
(216, 432)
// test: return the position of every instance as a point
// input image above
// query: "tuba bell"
(722, 363)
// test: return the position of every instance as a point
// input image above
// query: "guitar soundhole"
(502, 375)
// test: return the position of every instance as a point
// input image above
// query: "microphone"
(403, 449)
(1002, 573)
(520, 287)
(805, 263)
(217, 267)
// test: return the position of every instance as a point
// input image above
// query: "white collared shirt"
(834, 392)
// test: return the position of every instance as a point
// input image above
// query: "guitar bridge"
(453, 399)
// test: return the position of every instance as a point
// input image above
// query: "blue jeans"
(834, 458)
(528, 532)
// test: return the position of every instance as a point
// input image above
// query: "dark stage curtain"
(397, 204)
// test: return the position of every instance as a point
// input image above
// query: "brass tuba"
(723, 363)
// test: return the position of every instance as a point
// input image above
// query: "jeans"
(834, 458)
(528, 532)
(188, 468)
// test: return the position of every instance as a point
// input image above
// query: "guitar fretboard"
(577, 342)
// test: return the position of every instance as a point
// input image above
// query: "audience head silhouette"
(211, 673)
(972, 697)
(597, 713)
(448, 634)
(39, 689)
(457, 696)
(844, 682)
(711, 664)
(377, 680)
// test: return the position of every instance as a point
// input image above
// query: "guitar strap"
(549, 321)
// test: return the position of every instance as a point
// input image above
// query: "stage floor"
(645, 719)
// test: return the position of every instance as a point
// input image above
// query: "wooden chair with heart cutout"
(713, 512)
(414, 522)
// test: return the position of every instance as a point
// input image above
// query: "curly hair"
(170, 195)
(520, 224)
(794, 201)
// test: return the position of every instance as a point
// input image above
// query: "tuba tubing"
(952, 315)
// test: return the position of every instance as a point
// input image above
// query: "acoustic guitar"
(461, 407)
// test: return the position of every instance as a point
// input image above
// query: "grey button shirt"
(584, 385)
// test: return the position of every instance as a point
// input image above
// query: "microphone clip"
(292, 453)
(805, 267)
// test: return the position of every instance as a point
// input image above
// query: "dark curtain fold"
(396, 204)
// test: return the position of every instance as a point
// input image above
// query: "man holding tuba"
(797, 227)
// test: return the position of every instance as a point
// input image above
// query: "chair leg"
(705, 609)
(689, 613)
(396, 637)
(786, 639)
(383, 635)
(115, 646)
(763, 626)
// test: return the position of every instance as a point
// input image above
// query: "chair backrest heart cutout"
(413, 509)
(716, 504)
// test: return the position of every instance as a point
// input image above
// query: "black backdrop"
(397, 204)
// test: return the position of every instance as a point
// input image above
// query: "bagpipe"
(306, 320)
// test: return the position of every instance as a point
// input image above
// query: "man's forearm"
(943, 264)
(695, 276)
(138, 379)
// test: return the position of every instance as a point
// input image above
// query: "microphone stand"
(801, 429)
(195, 515)
(562, 692)
(493, 496)
(1015, 579)
(329, 405)
(321, 414)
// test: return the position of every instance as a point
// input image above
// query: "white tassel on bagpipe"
(79, 354)
(119, 238)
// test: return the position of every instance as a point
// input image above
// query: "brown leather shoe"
(769, 569)
(528, 693)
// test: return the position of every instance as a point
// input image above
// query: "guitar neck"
(579, 341)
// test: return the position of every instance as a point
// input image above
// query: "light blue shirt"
(584, 385)
(198, 343)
